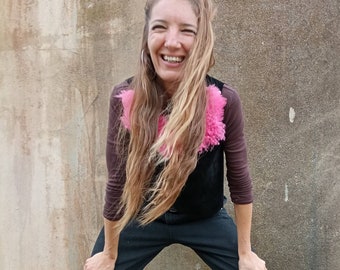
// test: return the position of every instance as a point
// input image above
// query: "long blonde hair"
(148, 192)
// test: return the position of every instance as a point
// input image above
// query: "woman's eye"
(189, 31)
(158, 27)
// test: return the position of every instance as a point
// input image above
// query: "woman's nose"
(172, 41)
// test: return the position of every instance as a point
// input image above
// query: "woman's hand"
(100, 261)
(251, 261)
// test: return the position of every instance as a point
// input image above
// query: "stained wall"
(58, 63)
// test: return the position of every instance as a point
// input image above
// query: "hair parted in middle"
(148, 195)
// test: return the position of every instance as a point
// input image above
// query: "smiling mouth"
(172, 59)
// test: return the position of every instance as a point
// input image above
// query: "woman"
(168, 129)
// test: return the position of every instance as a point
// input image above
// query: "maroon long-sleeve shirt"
(239, 181)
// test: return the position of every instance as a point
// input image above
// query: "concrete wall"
(58, 62)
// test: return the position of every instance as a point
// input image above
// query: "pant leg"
(213, 239)
(137, 245)
(99, 245)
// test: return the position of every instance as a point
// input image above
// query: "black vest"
(202, 195)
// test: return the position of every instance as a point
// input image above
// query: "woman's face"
(172, 31)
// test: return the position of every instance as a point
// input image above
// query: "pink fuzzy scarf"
(215, 127)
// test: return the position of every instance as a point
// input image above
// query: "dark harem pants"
(213, 239)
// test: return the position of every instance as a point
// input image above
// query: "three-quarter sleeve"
(115, 157)
(239, 180)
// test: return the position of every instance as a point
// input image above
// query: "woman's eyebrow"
(188, 25)
(158, 21)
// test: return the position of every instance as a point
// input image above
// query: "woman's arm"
(239, 181)
(115, 162)
(248, 260)
(243, 216)
(106, 259)
(111, 239)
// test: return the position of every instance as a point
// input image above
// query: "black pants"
(213, 239)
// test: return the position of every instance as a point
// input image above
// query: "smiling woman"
(169, 127)
(172, 33)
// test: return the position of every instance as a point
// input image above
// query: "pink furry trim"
(215, 128)
(127, 98)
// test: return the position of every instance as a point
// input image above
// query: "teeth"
(173, 59)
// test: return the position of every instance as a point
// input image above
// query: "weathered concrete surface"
(58, 62)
